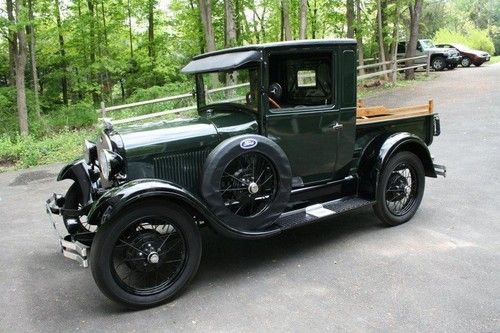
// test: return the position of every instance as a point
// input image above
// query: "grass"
(18, 153)
(494, 59)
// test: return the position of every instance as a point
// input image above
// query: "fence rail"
(393, 65)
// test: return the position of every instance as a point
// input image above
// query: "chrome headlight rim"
(110, 164)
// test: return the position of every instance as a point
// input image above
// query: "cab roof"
(236, 57)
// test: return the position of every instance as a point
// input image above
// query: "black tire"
(74, 200)
(466, 62)
(393, 187)
(269, 203)
(120, 236)
(438, 63)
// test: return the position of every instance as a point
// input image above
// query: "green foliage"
(28, 151)
(475, 39)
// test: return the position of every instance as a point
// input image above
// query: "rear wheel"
(147, 255)
(400, 189)
(466, 62)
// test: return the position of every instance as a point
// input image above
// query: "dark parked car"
(440, 58)
(469, 56)
(288, 148)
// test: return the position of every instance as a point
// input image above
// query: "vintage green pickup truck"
(288, 146)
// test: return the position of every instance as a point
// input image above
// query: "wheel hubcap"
(248, 184)
(401, 189)
(153, 258)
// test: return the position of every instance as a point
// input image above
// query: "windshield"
(461, 47)
(236, 86)
(426, 43)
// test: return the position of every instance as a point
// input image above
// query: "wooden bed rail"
(367, 114)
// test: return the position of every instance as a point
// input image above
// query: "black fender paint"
(380, 149)
(114, 201)
(78, 171)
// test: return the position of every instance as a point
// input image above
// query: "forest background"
(59, 59)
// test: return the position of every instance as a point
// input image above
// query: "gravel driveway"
(440, 272)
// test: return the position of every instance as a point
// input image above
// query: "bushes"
(475, 39)
(30, 151)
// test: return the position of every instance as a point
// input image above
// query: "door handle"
(335, 127)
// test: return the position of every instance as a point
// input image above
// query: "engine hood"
(144, 143)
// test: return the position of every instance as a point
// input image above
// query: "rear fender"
(114, 201)
(380, 150)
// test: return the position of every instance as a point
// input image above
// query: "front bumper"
(440, 170)
(70, 246)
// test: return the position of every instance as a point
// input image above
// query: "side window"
(305, 79)
(401, 47)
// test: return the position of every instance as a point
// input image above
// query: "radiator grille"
(183, 169)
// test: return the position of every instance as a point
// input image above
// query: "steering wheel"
(275, 92)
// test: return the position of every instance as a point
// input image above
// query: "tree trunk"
(286, 31)
(415, 11)
(31, 28)
(380, 37)
(230, 37)
(206, 19)
(12, 44)
(359, 36)
(350, 18)
(62, 52)
(90, 5)
(20, 66)
(130, 36)
(151, 33)
(303, 19)
(314, 20)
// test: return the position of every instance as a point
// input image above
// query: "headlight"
(89, 152)
(110, 164)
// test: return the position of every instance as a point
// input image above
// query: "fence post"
(394, 71)
(428, 67)
(103, 110)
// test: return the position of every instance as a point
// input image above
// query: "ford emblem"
(248, 143)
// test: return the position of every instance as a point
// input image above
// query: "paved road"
(440, 272)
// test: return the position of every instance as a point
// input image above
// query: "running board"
(311, 214)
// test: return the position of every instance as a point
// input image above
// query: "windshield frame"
(201, 93)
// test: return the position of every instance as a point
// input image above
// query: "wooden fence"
(394, 66)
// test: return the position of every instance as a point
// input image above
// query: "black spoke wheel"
(249, 184)
(147, 255)
(400, 189)
(246, 182)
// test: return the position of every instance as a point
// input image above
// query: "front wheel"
(147, 255)
(400, 189)
(466, 62)
(438, 63)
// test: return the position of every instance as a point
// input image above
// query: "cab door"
(302, 116)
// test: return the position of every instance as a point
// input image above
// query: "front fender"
(79, 171)
(114, 201)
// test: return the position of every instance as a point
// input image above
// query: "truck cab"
(279, 141)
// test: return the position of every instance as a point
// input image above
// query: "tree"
(350, 18)
(415, 11)
(151, 30)
(32, 50)
(230, 36)
(206, 19)
(303, 19)
(19, 47)
(286, 31)
(359, 36)
(381, 37)
(62, 51)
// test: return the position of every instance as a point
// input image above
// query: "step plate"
(300, 217)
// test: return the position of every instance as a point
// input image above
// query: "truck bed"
(371, 114)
